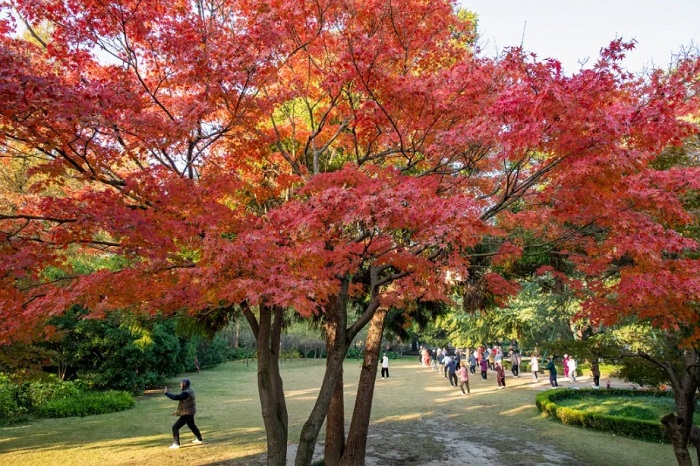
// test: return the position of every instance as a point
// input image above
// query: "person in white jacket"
(385, 366)
(572, 368)
(534, 366)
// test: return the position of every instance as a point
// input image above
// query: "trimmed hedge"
(86, 404)
(652, 431)
(56, 398)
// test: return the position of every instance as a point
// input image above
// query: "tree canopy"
(291, 155)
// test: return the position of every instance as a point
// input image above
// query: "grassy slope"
(410, 409)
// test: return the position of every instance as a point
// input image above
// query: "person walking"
(452, 370)
(186, 409)
(595, 372)
(484, 366)
(463, 377)
(534, 366)
(446, 361)
(472, 363)
(498, 356)
(571, 364)
(500, 375)
(515, 359)
(385, 366)
(552, 372)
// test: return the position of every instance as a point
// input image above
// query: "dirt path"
(486, 428)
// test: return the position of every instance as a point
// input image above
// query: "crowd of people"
(457, 365)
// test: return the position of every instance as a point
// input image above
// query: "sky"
(575, 30)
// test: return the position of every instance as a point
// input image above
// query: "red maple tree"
(302, 156)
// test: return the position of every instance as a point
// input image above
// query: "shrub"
(210, 352)
(642, 429)
(242, 352)
(10, 409)
(39, 393)
(86, 404)
(354, 352)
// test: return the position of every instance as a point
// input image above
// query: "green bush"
(117, 352)
(209, 353)
(10, 408)
(642, 429)
(242, 352)
(39, 393)
(86, 404)
(354, 353)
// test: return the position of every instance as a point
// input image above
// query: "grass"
(411, 410)
(645, 408)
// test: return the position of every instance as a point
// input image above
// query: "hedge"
(652, 431)
(86, 404)
(56, 398)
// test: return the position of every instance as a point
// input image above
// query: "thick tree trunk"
(676, 430)
(270, 389)
(337, 344)
(679, 426)
(334, 366)
(335, 419)
(312, 426)
(356, 445)
(335, 426)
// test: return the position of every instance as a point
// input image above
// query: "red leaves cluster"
(263, 151)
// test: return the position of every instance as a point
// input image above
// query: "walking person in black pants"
(452, 369)
(385, 366)
(186, 408)
(552, 372)
(595, 371)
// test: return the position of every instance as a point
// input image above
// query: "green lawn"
(417, 419)
(648, 408)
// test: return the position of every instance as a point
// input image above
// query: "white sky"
(573, 30)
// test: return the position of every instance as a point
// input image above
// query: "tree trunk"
(337, 345)
(335, 419)
(335, 426)
(312, 426)
(675, 428)
(695, 440)
(354, 454)
(237, 335)
(334, 367)
(270, 389)
(679, 426)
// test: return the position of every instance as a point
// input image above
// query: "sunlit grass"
(644, 408)
(412, 404)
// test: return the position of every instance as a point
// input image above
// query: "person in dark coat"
(595, 371)
(452, 370)
(552, 373)
(186, 409)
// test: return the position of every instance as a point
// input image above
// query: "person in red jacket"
(186, 409)
(500, 376)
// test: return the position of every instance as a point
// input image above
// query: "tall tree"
(301, 155)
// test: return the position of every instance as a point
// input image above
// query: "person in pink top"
(463, 375)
